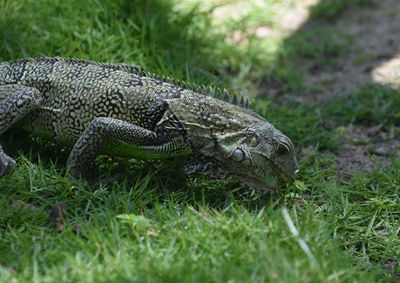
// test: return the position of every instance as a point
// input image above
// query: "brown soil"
(364, 150)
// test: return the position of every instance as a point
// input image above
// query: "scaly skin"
(117, 109)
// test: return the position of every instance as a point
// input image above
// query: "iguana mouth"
(282, 174)
(283, 178)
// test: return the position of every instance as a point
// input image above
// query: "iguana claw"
(6, 163)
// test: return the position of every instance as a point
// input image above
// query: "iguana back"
(74, 92)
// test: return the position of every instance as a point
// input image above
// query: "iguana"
(120, 110)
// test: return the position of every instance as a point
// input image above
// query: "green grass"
(141, 221)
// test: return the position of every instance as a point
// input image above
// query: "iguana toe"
(6, 163)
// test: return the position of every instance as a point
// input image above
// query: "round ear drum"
(238, 155)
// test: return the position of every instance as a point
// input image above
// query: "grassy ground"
(144, 224)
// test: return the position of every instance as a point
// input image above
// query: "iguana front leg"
(105, 130)
(16, 101)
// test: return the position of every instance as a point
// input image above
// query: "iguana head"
(259, 156)
(229, 141)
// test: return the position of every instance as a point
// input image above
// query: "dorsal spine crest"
(137, 70)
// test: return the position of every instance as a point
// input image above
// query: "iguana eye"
(283, 149)
(254, 142)
(238, 155)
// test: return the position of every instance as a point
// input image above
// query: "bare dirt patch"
(363, 150)
(291, 15)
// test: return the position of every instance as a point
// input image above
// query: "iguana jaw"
(268, 183)
(284, 175)
(281, 175)
(263, 181)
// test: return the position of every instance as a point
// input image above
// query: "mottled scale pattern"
(76, 92)
(120, 109)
